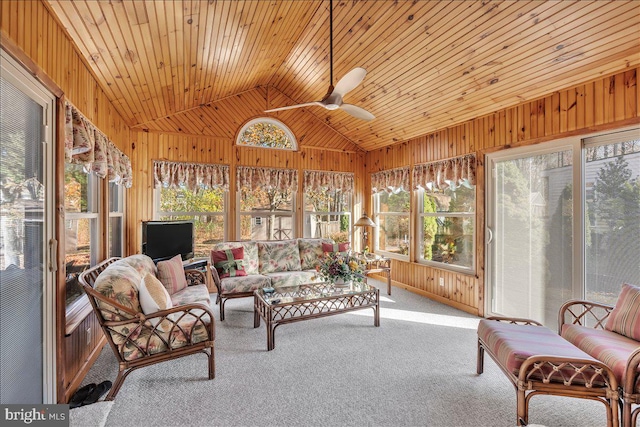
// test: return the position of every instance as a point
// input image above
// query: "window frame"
(93, 214)
(307, 215)
(376, 230)
(271, 121)
(159, 215)
(263, 214)
(420, 215)
(118, 213)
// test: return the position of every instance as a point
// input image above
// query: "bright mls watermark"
(34, 415)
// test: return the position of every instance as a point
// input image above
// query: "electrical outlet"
(442, 281)
(88, 336)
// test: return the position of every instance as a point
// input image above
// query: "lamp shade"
(365, 221)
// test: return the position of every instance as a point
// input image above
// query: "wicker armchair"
(140, 340)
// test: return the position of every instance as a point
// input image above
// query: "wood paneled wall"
(148, 146)
(607, 103)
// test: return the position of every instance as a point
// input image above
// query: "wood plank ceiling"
(430, 64)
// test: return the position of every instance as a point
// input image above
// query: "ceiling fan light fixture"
(332, 106)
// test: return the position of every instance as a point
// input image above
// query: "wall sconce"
(365, 222)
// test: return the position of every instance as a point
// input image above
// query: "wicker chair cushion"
(192, 294)
(141, 263)
(119, 282)
(610, 348)
(251, 262)
(244, 284)
(311, 252)
(171, 274)
(187, 330)
(513, 344)
(279, 256)
(625, 317)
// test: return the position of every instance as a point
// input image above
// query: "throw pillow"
(229, 262)
(337, 247)
(171, 274)
(625, 317)
(154, 297)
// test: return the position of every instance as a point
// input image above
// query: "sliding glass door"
(548, 242)
(530, 224)
(27, 320)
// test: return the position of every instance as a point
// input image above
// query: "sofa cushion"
(335, 247)
(251, 263)
(625, 317)
(513, 344)
(153, 298)
(171, 274)
(141, 263)
(311, 252)
(292, 278)
(119, 282)
(244, 284)
(192, 294)
(610, 348)
(186, 331)
(279, 256)
(229, 262)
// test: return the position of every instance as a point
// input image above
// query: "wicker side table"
(377, 264)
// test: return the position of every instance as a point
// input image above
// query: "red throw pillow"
(229, 262)
(338, 247)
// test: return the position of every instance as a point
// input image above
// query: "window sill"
(76, 313)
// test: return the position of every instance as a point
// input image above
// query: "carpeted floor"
(416, 369)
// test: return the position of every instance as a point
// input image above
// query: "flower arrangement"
(340, 265)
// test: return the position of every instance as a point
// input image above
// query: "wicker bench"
(539, 361)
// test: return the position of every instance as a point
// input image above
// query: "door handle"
(490, 233)
(53, 255)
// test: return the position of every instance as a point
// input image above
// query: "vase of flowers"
(340, 268)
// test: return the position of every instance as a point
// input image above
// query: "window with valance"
(85, 145)
(196, 192)
(327, 204)
(446, 212)
(266, 197)
(90, 157)
(391, 207)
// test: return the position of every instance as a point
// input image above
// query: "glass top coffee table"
(289, 304)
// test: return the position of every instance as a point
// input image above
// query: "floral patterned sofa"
(265, 263)
(180, 325)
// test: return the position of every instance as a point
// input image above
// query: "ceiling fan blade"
(349, 81)
(290, 107)
(357, 112)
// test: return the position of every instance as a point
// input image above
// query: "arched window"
(268, 133)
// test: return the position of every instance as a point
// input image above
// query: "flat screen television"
(165, 239)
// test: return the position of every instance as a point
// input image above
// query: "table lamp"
(365, 222)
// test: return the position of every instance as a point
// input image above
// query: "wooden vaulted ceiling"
(206, 67)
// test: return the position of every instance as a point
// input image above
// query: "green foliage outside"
(429, 227)
(266, 135)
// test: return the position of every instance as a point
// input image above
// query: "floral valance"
(323, 180)
(193, 176)
(266, 178)
(448, 173)
(391, 181)
(84, 144)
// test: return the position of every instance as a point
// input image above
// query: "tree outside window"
(275, 206)
(205, 207)
(392, 217)
(267, 133)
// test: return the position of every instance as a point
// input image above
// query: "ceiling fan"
(333, 99)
